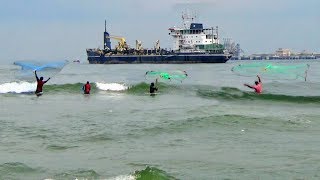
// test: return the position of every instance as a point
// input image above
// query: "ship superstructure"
(194, 38)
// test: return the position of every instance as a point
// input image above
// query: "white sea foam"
(111, 86)
(17, 87)
(123, 177)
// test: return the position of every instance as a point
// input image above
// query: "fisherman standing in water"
(40, 84)
(86, 88)
(257, 87)
(153, 88)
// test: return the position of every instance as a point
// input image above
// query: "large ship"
(191, 44)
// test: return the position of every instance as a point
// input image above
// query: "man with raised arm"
(40, 84)
(257, 87)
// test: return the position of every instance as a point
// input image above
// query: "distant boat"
(76, 61)
(191, 44)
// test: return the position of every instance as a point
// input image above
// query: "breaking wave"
(18, 87)
(234, 94)
(23, 87)
(208, 92)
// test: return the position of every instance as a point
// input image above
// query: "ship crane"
(139, 48)
(157, 46)
(238, 51)
(122, 45)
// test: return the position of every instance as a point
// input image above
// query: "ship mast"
(217, 32)
(187, 19)
(106, 39)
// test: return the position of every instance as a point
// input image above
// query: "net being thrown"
(47, 69)
(37, 66)
(172, 75)
(273, 70)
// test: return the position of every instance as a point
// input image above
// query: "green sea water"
(209, 126)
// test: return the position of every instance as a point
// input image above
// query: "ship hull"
(159, 59)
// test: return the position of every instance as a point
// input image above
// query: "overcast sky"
(63, 29)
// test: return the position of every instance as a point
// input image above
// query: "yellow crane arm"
(121, 39)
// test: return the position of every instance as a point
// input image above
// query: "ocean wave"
(152, 173)
(111, 86)
(234, 94)
(15, 167)
(142, 88)
(123, 177)
(18, 87)
(22, 87)
(98, 138)
(145, 174)
(29, 87)
(78, 174)
(223, 93)
(231, 120)
(12, 170)
(59, 147)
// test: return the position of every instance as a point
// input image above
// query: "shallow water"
(208, 127)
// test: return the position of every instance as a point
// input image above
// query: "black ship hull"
(158, 59)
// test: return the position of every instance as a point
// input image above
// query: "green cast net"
(176, 75)
(273, 70)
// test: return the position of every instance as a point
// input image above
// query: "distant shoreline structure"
(280, 54)
(271, 57)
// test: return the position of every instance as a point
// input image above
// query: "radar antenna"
(187, 18)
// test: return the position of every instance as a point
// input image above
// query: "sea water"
(209, 126)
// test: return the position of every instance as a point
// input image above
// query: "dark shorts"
(38, 93)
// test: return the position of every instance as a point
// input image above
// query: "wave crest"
(152, 173)
(234, 94)
(111, 86)
(18, 87)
